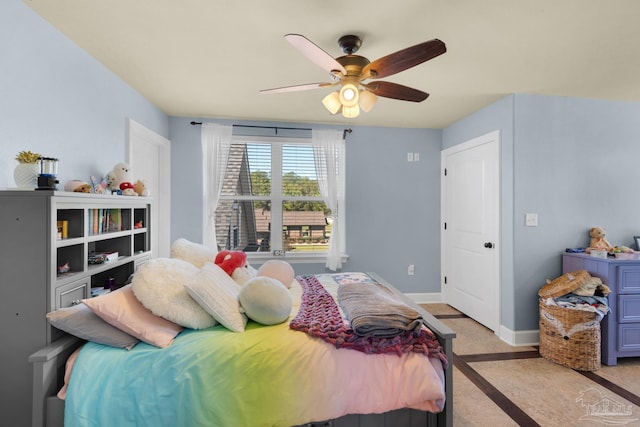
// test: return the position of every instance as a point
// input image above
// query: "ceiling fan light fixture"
(349, 95)
(350, 71)
(367, 100)
(332, 102)
(350, 112)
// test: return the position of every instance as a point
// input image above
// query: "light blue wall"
(571, 161)
(575, 162)
(59, 101)
(393, 206)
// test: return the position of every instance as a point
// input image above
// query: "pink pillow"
(122, 309)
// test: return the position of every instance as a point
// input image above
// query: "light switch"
(531, 219)
(410, 157)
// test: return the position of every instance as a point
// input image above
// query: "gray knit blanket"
(374, 310)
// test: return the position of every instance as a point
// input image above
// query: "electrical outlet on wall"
(411, 270)
(531, 219)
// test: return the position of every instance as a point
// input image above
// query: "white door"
(470, 229)
(150, 160)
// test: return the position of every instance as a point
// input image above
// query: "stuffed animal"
(598, 240)
(77, 186)
(127, 189)
(141, 189)
(235, 264)
(120, 173)
(111, 181)
(230, 260)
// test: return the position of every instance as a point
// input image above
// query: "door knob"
(488, 245)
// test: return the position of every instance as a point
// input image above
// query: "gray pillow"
(80, 321)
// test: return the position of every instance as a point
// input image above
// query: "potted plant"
(26, 172)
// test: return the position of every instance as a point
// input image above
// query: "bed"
(271, 376)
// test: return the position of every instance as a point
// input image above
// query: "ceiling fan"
(350, 72)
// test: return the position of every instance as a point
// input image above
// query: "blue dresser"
(621, 327)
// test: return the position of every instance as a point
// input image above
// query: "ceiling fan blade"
(296, 88)
(314, 53)
(396, 91)
(403, 59)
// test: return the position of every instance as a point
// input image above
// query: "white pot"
(26, 175)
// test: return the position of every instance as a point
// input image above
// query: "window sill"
(292, 258)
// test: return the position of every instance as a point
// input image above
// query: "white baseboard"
(519, 338)
(425, 298)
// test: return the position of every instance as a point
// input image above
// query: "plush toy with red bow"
(235, 264)
(127, 189)
(230, 260)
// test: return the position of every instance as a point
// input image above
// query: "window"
(271, 200)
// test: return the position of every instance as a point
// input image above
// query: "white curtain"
(216, 140)
(328, 153)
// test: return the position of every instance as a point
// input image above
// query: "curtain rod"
(344, 134)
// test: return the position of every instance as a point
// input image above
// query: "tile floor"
(496, 384)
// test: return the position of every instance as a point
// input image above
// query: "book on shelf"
(104, 220)
(114, 220)
(94, 221)
(63, 229)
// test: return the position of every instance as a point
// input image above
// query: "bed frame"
(49, 362)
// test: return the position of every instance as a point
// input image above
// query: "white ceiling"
(207, 58)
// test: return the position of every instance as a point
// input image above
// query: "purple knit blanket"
(320, 317)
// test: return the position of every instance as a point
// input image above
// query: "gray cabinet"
(46, 242)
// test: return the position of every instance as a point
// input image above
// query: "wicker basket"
(564, 284)
(570, 337)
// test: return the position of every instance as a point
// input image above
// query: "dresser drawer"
(629, 337)
(628, 308)
(71, 293)
(628, 279)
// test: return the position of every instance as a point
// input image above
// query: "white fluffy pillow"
(159, 286)
(194, 253)
(218, 293)
(265, 300)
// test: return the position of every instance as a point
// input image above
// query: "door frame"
(488, 138)
(161, 206)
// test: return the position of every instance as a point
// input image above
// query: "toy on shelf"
(120, 181)
(77, 186)
(600, 243)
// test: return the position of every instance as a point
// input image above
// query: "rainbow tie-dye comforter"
(266, 376)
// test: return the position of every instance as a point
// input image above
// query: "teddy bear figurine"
(120, 173)
(141, 188)
(598, 240)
